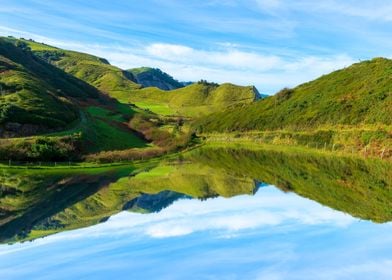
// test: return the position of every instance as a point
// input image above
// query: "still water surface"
(217, 213)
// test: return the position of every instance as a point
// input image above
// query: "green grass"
(192, 101)
(159, 171)
(40, 46)
(101, 112)
(359, 94)
(365, 140)
(106, 129)
(159, 109)
(98, 129)
(108, 137)
(103, 130)
(34, 92)
(94, 70)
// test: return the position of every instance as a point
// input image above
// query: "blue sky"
(268, 43)
(272, 235)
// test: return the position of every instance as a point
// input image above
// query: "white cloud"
(226, 63)
(168, 51)
(230, 57)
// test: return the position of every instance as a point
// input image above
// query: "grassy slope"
(111, 131)
(104, 129)
(360, 94)
(102, 132)
(34, 92)
(91, 69)
(47, 95)
(194, 100)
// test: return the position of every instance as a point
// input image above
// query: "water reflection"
(35, 204)
(271, 235)
(362, 188)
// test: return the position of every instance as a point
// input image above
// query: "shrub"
(162, 138)
(41, 148)
(124, 155)
(284, 94)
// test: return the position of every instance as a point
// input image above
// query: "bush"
(49, 56)
(41, 149)
(207, 83)
(125, 155)
(284, 94)
(162, 138)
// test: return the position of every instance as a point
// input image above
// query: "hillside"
(56, 98)
(358, 95)
(47, 114)
(94, 70)
(195, 100)
(154, 77)
(36, 96)
(75, 106)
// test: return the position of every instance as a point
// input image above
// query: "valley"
(65, 106)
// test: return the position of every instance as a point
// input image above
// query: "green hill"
(56, 98)
(36, 96)
(94, 70)
(60, 105)
(194, 100)
(63, 116)
(154, 77)
(358, 95)
(197, 99)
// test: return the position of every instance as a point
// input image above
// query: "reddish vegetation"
(125, 155)
(162, 138)
(149, 129)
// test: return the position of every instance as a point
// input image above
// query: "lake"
(216, 212)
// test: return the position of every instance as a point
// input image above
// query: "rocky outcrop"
(153, 77)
